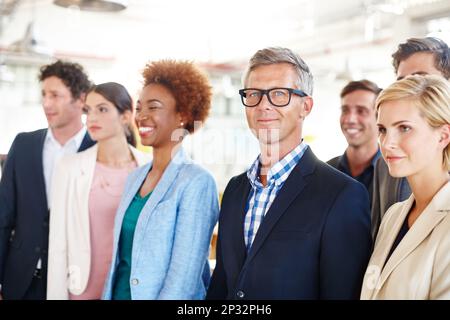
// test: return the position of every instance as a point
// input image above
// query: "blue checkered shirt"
(260, 198)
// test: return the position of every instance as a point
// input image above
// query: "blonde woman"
(87, 188)
(411, 259)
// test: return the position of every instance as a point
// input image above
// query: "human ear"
(445, 135)
(306, 107)
(126, 117)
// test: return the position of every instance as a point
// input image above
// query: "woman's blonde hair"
(430, 94)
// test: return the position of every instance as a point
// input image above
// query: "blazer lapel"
(137, 183)
(292, 187)
(423, 226)
(168, 178)
(84, 178)
(385, 241)
(39, 152)
(127, 198)
(128, 195)
(86, 143)
(140, 157)
(233, 241)
(85, 174)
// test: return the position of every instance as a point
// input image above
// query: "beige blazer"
(69, 253)
(419, 268)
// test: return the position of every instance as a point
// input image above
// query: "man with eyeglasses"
(291, 227)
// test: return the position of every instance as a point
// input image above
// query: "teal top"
(122, 279)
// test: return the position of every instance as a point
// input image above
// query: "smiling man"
(359, 126)
(291, 227)
(25, 184)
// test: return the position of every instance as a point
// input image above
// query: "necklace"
(108, 180)
(116, 164)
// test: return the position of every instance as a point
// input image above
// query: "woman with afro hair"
(169, 207)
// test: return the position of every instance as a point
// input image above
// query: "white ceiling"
(208, 30)
(331, 35)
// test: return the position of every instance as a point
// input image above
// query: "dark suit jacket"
(24, 216)
(314, 242)
(365, 177)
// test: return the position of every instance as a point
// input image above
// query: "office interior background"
(340, 41)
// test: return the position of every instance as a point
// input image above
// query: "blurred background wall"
(340, 40)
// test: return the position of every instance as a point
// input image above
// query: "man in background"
(359, 126)
(26, 178)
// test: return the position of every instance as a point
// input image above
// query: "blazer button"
(134, 282)
(240, 294)
(37, 249)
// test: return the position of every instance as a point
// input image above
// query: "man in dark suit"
(416, 56)
(26, 179)
(292, 227)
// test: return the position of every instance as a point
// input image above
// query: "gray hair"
(274, 55)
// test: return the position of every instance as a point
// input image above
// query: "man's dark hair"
(360, 85)
(71, 74)
(436, 46)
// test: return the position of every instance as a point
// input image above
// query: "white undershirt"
(53, 151)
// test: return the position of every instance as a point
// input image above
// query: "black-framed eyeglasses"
(279, 97)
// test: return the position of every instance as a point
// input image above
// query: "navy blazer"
(24, 215)
(314, 242)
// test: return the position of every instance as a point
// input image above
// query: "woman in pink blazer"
(86, 191)
(411, 259)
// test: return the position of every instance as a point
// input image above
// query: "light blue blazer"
(169, 258)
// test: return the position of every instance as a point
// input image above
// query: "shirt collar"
(375, 157)
(343, 162)
(77, 139)
(279, 172)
